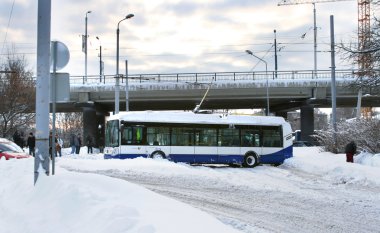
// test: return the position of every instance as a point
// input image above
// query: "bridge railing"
(216, 77)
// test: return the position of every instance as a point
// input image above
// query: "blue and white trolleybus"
(198, 138)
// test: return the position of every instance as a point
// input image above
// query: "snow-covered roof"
(190, 117)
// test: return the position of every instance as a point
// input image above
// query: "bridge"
(288, 90)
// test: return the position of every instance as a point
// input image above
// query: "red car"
(9, 150)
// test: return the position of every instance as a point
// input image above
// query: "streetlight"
(266, 74)
(100, 60)
(85, 48)
(275, 53)
(117, 84)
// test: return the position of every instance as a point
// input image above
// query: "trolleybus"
(198, 138)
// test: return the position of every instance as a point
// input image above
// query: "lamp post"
(126, 87)
(275, 54)
(117, 84)
(100, 60)
(85, 48)
(266, 74)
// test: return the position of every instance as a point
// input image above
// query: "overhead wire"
(9, 21)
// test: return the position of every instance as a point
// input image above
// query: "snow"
(190, 117)
(73, 201)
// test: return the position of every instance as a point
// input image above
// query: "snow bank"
(80, 202)
(364, 170)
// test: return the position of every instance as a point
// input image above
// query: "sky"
(88, 203)
(178, 36)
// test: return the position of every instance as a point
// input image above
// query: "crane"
(297, 2)
(365, 60)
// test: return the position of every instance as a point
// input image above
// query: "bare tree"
(371, 76)
(365, 132)
(17, 91)
(67, 124)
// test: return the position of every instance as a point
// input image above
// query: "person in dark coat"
(72, 143)
(89, 142)
(31, 143)
(17, 138)
(78, 144)
(101, 144)
(350, 150)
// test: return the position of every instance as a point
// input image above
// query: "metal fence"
(208, 77)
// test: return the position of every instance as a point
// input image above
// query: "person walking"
(31, 143)
(22, 139)
(17, 138)
(350, 150)
(101, 144)
(58, 146)
(51, 144)
(89, 144)
(78, 144)
(72, 143)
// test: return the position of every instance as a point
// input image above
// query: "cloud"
(182, 35)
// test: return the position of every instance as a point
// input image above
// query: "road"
(269, 199)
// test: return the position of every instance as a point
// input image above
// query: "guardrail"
(208, 77)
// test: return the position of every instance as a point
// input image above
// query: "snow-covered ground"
(73, 201)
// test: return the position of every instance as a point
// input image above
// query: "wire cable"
(9, 22)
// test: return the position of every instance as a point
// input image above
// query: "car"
(302, 144)
(10, 150)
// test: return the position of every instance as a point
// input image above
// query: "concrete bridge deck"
(288, 90)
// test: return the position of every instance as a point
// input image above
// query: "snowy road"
(312, 192)
(269, 199)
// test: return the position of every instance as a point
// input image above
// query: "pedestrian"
(17, 138)
(89, 144)
(58, 145)
(350, 150)
(51, 143)
(22, 139)
(72, 143)
(31, 143)
(101, 144)
(78, 144)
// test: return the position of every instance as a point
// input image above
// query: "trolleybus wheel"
(158, 155)
(250, 160)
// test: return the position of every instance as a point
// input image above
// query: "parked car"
(10, 150)
(302, 144)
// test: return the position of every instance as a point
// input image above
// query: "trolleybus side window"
(133, 135)
(158, 136)
(112, 133)
(228, 137)
(182, 136)
(272, 136)
(251, 137)
(205, 137)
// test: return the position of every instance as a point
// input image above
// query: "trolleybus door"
(206, 150)
(229, 145)
(182, 144)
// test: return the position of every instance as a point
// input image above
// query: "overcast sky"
(170, 36)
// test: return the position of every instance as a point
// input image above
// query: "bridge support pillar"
(90, 126)
(101, 121)
(307, 122)
(94, 124)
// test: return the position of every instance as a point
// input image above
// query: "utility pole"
(315, 41)
(126, 87)
(41, 160)
(100, 60)
(85, 48)
(297, 2)
(275, 54)
(333, 85)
